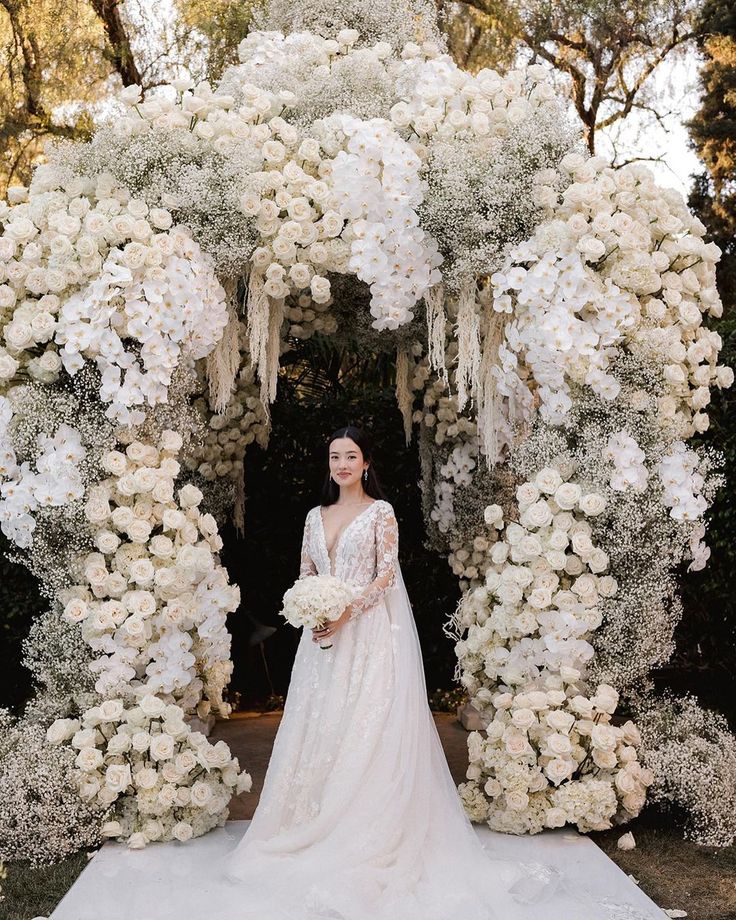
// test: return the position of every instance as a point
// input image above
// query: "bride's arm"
(387, 556)
(306, 564)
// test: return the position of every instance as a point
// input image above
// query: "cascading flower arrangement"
(150, 281)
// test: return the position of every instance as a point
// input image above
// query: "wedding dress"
(359, 816)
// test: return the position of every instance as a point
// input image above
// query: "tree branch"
(121, 54)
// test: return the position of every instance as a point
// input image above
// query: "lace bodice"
(365, 552)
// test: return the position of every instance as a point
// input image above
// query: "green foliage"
(35, 892)
(713, 134)
(707, 634)
(217, 28)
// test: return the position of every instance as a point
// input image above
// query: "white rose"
(574, 565)
(115, 462)
(107, 542)
(75, 610)
(61, 730)
(119, 744)
(559, 743)
(151, 706)
(567, 495)
(592, 504)
(558, 769)
(139, 531)
(189, 496)
(171, 441)
(201, 794)
(630, 733)
(548, 480)
(118, 777)
(515, 744)
(161, 747)
(523, 718)
(146, 778)
(111, 710)
(185, 761)
(555, 817)
(493, 514)
(516, 800)
(537, 514)
(603, 737)
(560, 721)
(527, 493)
(140, 741)
(582, 544)
(182, 831)
(320, 288)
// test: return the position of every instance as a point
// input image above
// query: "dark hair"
(330, 489)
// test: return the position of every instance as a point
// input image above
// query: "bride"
(359, 816)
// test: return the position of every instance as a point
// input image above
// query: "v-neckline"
(341, 534)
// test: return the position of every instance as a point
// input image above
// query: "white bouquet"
(316, 600)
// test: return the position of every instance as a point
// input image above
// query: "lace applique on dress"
(366, 553)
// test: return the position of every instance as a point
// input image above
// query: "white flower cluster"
(691, 752)
(55, 481)
(539, 602)
(682, 482)
(42, 817)
(165, 780)
(317, 76)
(453, 440)
(315, 600)
(164, 297)
(628, 459)
(457, 470)
(528, 629)
(229, 433)
(306, 316)
(90, 269)
(619, 264)
(377, 189)
(551, 756)
(439, 97)
(155, 598)
(563, 315)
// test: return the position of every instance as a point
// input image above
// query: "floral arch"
(547, 313)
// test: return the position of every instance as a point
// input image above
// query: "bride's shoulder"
(384, 506)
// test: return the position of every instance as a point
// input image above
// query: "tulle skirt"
(359, 817)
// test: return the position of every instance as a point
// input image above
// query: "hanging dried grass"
(223, 363)
(264, 317)
(404, 395)
(467, 330)
(492, 421)
(434, 300)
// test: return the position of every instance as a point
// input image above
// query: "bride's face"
(346, 461)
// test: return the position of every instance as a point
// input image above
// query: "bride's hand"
(330, 628)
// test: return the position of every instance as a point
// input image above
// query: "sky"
(677, 81)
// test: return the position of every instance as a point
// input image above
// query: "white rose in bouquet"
(316, 600)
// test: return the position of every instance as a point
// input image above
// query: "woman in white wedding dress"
(359, 816)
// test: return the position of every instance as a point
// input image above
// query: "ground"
(675, 873)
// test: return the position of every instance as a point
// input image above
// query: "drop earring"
(365, 475)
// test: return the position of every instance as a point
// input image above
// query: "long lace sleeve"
(387, 555)
(306, 564)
